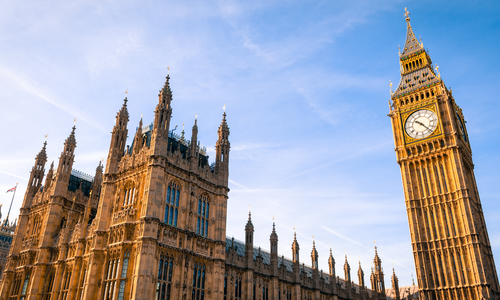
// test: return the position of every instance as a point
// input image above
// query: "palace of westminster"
(151, 224)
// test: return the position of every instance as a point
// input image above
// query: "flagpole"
(6, 219)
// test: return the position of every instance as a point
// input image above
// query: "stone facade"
(451, 248)
(152, 225)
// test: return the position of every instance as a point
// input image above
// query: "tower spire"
(138, 139)
(66, 162)
(37, 172)
(295, 247)
(411, 45)
(331, 264)
(118, 139)
(361, 276)
(161, 125)
(273, 239)
(222, 147)
(395, 285)
(314, 256)
(347, 270)
(249, 241)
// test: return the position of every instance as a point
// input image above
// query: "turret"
(273, 239)
(138, 139)
(361, 276)
(395, 285)
(193, 149)
(222, 147)
(331, 265)
(161, 125)
(314, 263)
(379, 276)
(86, 216)
(48, 178)
(347, 270)
(249, 242)
(65, 164)
(96, 184)
(295, 249)
(118, 139)
(347, 277)
(331, 272)
(295, 258)
(36, 176)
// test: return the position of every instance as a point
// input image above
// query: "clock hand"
(420, 123)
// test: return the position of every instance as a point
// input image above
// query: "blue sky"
(306, 84)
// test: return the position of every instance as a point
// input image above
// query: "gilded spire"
(411, 45)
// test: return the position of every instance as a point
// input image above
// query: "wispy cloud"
(26, 83)
(14, 175)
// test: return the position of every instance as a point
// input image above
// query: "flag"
(12, 189)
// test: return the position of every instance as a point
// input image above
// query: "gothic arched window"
(65, 286)
(164, 280)
(237, 287)
(129, 197)
(111, 279)
(225, 286)
(123, 275)
(265, 292)
(172, 204)
(198, 292)
(203, 215)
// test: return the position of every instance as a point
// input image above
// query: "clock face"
(421, 124)
(461, 127)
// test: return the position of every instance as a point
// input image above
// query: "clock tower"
(451, 248)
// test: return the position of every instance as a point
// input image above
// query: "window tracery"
(198, 282)
(164, 280)
(203, 215)
(129, 196)
(172, 204)
(123, 275)
(111, 279)
(65, 286)
(237, 287)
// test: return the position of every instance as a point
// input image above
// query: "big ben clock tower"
(451, 248)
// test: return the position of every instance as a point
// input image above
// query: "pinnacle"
(123, 111)
(43, 153)
(140, 125)
(99, 167)
(166, 91)
(223, 124)
(411, 44)
(71, 138)
(167, 83)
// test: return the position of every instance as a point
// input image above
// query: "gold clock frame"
(404, 117)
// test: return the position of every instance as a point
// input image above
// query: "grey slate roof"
(415, 80)
(411, 45)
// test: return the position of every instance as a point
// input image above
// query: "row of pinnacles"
(291, 279)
